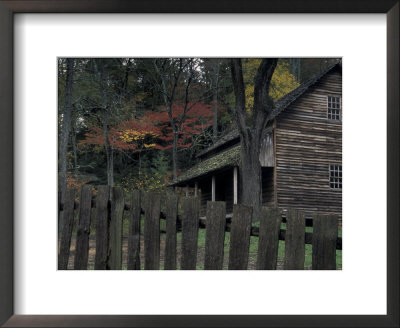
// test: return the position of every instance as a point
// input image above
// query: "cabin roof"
(281, 104)
(227, 158)
(231, 156)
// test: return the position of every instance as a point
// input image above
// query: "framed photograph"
(42, 40)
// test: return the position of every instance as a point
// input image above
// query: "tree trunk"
(251, 129)
(74, 149)
(107, 147)
(215, 119)
(250, 173)
(66, 126)
(175, 154)
(109, 155)
(110, 168)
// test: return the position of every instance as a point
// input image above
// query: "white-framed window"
(335, 176)
(334, 108)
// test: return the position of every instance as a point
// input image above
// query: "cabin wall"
(307, 142)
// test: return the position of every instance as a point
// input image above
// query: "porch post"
(235, 185)
(187, 190)
(213, 188)
(195, 189)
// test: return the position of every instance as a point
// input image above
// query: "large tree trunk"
(66, 126)
(250, 174)
(251, 129)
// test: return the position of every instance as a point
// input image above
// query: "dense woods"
(139, 122)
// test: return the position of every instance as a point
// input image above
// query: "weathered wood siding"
(267, 151)
(307, 142)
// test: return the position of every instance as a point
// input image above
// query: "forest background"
(139, 122)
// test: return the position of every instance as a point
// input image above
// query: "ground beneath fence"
(200, 255)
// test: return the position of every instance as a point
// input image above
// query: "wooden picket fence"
(109, 206)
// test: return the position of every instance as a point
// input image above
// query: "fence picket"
(268, 242)
(295, 240)
(152, 231)
(190, 227)
(102, 228)
(215, 235)
(170, 238)
(240, 237)
(134, 232)
(82, 236)
(66, 232)
(115, 244)
(325, 231)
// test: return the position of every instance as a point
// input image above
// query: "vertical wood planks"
(295, 240)
(190, 227)
(152, 231)
(170, 238)
(268, 242)
(66, 231)
(115, 244)
(134, 232)
(240, 237)
(82, 236)
(215, 235)
(325, 231)
(102, 228)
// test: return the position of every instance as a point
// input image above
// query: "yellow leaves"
(282, 81)
(149, 145)
(130, 135)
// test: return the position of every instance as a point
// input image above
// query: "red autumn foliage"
(128, 135)
(154, 129)
(197, 118)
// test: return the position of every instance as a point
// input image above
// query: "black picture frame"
(8, 200)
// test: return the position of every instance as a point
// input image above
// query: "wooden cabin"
(301, 153)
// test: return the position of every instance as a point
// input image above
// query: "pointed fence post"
(325, 232)
(152, 231)
(215, 235)
(82, 236)
(102, 228)
(240, 237)
(190, 228)
(134, 232)
(66, 232)
(170, 238)
(295, 240)
(268, 243)
(115, 244)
